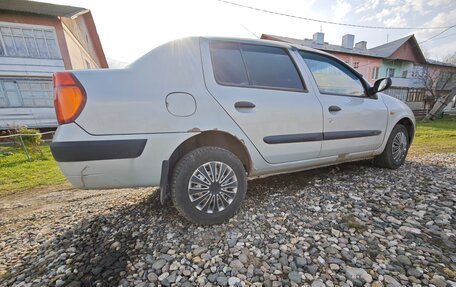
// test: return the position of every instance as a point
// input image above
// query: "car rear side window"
(227, 63)
(254, 66)
(271, 67)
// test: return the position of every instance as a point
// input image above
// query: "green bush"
(32, 141)
(33, 137)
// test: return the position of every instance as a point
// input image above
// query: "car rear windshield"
(254, 66)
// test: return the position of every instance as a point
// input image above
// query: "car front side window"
(332, 77)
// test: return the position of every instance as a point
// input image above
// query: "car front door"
(353, 122)
(261, 88)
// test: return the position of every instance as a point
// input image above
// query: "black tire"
(199, 159)
(386, 159)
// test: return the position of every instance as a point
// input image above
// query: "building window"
(18, 41)
(3, 99)
(417, 71)
(446, 80)
(2, 50)
(404, 74)
(374, 73)
(356, 65)
(390, 72)
(25, 93)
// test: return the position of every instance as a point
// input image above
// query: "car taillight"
(69, 97)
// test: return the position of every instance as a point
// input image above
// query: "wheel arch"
(216, 138)
(408, 124)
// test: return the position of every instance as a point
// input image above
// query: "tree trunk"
(441, 103)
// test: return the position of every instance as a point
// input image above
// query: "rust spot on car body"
(194, 130)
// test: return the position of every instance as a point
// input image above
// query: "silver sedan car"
(199, 116)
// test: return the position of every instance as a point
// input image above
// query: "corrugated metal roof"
(324, 47)
(382, 51)
(40, 8)
(434, 62)
(388, 49)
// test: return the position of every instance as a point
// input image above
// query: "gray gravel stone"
(295, 277)
(243, 258)
(158, 265)
(152, 277)
(358, 274)
(318, 283)
(330, 225)
(199, 250)
(233, 281)
(404, 260)
(415, 273)
(301, 262)
(391, 281)
(221, 280)
(312, 269)
(438, 281)
(236, 264)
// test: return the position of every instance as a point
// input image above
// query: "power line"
(330, 22)
(446, 36)
(443, 37)
(438, 34)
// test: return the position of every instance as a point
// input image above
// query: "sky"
(129, 29)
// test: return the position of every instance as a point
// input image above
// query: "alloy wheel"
(212, 187)
(399, 148)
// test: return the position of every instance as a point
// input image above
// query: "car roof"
(266, 43)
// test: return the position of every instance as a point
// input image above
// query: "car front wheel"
(396, 149)
(208, 185)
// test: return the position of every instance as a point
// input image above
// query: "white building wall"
(29, 67)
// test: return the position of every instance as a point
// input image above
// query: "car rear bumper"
(112, 161)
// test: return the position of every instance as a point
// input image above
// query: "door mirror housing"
(381, 84)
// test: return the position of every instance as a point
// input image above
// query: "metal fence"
(21, 140)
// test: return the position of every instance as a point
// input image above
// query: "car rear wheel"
(208, 185)
(396, 149)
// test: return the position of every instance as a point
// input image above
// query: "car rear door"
(353, 122)
(261, 88)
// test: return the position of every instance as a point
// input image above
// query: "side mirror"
(381, 84)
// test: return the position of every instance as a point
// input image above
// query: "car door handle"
(334, 109)
(244, 105)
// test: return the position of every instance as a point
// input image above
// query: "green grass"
(17, 174)
(435, 136)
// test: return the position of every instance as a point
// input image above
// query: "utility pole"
(441, 103)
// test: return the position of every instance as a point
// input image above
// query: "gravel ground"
(349, 225)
